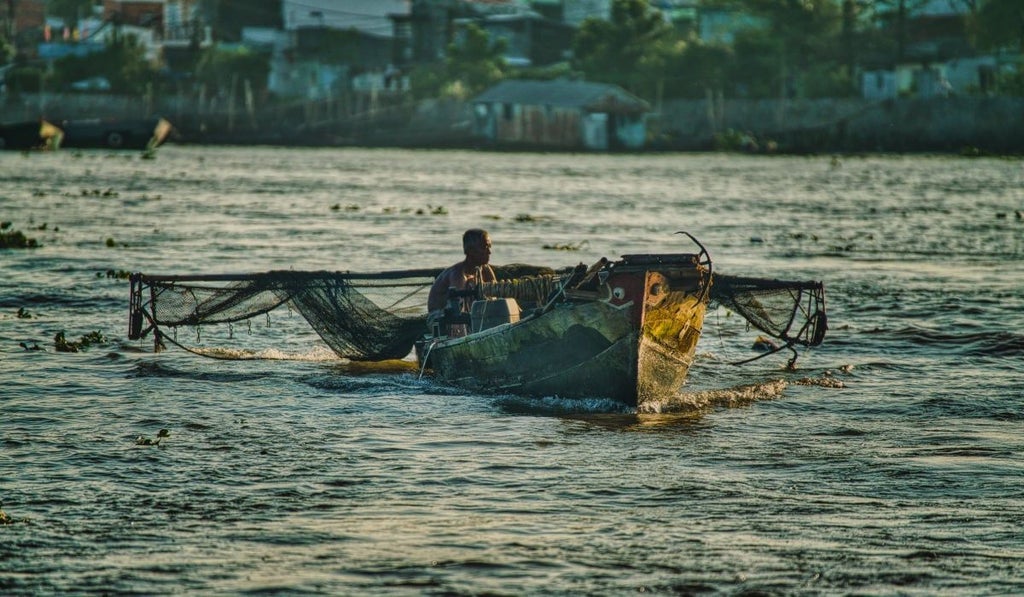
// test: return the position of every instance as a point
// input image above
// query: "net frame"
(359, 316)
(791, 311)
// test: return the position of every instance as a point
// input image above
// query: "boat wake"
(316, 355)
(706, 399)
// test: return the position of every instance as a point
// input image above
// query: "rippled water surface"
(890, 462)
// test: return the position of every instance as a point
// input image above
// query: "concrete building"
(560, 114)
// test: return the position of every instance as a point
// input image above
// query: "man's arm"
(439, 291)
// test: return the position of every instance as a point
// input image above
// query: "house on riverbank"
(560, 115)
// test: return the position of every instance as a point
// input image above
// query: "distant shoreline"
(965, 125)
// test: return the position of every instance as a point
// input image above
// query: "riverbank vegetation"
(774, 49)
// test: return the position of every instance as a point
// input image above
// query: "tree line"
(791, 48)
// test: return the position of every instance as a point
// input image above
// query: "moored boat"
(35, 134)
(116, 133)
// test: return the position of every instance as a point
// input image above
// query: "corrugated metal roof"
(600, 97)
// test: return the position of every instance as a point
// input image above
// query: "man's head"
(476, 243)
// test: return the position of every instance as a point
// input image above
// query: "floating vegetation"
(567, 246)
(440, 210)
(528, 218)
(145, 441)
(98, 193)
(492, 217)
(15, 239)
(61, 343)
(118, 274)
(6, 519)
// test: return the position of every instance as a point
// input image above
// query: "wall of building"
(932, 124)
(951, 124)
(530, 125)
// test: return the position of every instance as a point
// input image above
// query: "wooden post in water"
(231, 102)
(177, 114)
(250, 104)
(710, 97)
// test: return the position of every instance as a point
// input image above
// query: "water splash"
(735, 396)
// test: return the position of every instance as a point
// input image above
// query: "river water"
(891, 461)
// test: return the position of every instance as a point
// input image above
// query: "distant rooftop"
(565, 94)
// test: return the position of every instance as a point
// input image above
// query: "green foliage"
(426, 80)
(560, 70)
(1011, 83)
(827, 80)
(698, 68)
(122, 61)
(632, 49)
(24, 79)
(756, 72)
(792, 48)
(475, 64)
(218, 67)
(6, 51)
(998, 24)
(471, 66)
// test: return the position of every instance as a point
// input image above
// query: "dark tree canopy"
(632, 49)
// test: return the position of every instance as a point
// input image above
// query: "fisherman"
(473, 270)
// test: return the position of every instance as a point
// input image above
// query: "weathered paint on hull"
(585, 349)
(559, 353)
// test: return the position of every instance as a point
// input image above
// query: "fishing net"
(372, 317)
(380, 316)
(360, 316)
(793, 312)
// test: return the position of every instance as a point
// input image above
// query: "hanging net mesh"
(793, 312)
(360, 316)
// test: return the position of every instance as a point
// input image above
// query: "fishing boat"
(624, 329)
(116, 133)
(35, 134)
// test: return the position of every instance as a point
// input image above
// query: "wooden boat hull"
(140, 133)
(631, 340)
